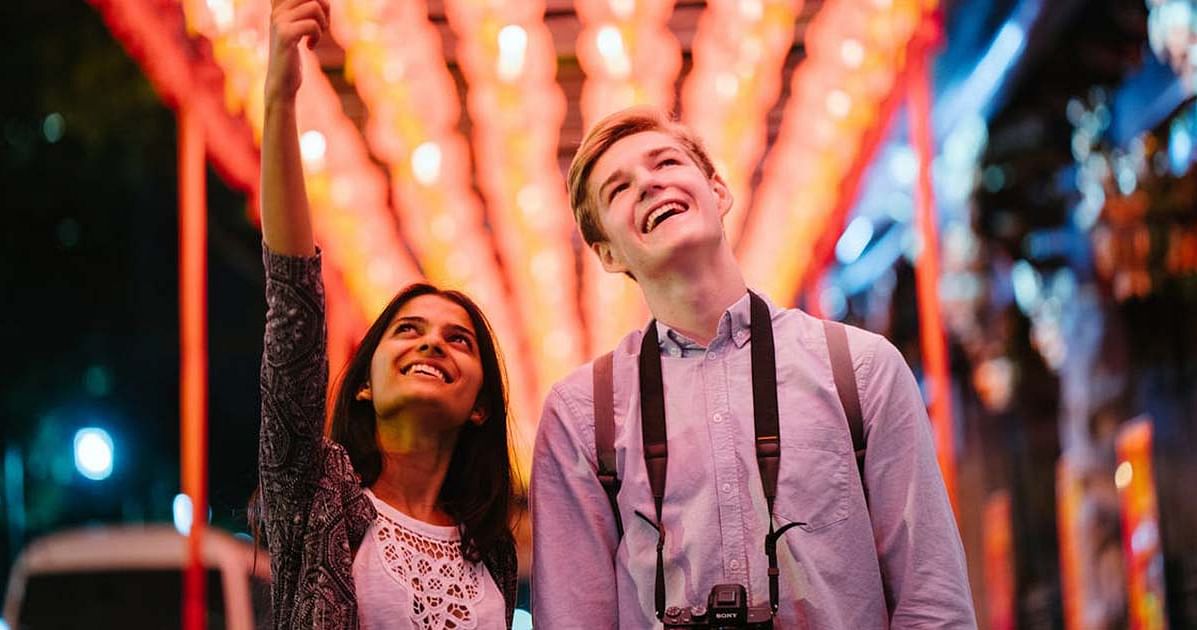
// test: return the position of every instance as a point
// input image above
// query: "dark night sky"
(89, 281)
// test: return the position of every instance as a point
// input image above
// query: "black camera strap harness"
(765, 416)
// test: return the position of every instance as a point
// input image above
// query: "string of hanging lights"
(393, 56)
(855, 49)
(739, 51)
(507, 56)
(346, 191)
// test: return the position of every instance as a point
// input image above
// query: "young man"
(649, 204)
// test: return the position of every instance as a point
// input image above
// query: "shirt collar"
(735, 324)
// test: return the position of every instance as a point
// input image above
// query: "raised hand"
(291, 21)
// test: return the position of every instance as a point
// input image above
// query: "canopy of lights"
(410, 197)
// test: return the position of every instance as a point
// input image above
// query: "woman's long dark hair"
(478, 489)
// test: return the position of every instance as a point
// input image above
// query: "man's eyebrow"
(610, 180)
(651, 155)
(665, 149)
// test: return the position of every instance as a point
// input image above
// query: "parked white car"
(131, 577)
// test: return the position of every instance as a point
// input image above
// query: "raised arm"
(286, 221)
(294, 373)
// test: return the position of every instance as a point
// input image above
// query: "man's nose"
(649, 184)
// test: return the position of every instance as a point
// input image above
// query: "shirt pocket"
(812, 484)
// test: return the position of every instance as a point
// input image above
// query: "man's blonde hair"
(601, 137)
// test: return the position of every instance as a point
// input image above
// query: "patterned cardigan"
(316, 511)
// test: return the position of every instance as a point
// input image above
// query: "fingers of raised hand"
(275, 5)
(294, 19)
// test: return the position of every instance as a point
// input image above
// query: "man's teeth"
(658, 215)
(426, 369)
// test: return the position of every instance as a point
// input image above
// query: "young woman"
(399, 519)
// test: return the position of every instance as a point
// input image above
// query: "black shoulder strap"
(604, 411)
(604, 432)
(845, 386)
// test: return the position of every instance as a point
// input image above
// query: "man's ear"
(611, 263)
(364, 393)
(723, 194)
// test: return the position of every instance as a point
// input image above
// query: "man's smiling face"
(654, 203)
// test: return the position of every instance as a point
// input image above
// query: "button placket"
(723, 441)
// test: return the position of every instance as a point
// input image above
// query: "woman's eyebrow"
(461, 329)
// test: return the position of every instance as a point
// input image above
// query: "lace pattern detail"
(444, 587)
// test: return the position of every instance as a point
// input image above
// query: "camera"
(727, 607)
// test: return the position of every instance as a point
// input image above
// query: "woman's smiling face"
(427, 361)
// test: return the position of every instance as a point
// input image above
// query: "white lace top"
(410, 575)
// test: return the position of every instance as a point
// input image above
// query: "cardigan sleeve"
(294, 381)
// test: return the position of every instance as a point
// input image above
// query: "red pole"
(193, 373)
(931, 329)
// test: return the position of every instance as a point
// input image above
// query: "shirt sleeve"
(918, 544)
(574, 537)
(294, 381)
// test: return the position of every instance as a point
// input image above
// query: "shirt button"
(735, 564)
(726, 487)
(717, 418)
(711, 356)
(675, 352)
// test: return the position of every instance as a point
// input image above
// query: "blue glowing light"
(93, 453)
(180, 509)
(853, 241)
(1180, 146)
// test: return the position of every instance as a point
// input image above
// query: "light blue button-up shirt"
(895, 561)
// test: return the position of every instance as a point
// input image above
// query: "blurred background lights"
(53, 127)
(623, 9)
(752, 9)
(1180, 146)
(726, 85)
(1123, 475)
(513, 44)
(312, 146)
(904, 165)
(426, 163)
(839, 104)
(1026, 284)
(93, 453)
(853, 241)
(610, 46)
(96, 381)
(833, 302)
(181, 511)
(222, 13)
(993, 178)
(1005, 47)
(852, 53)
